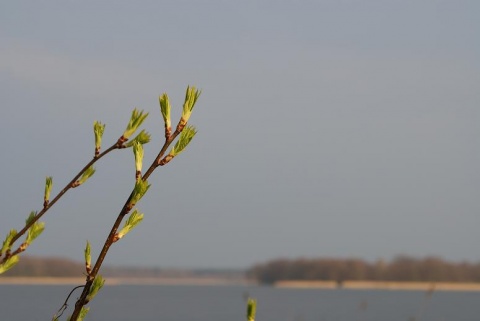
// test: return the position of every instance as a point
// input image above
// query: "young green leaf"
(88, 258)
(34, 231)
(165, 109)
(9, 263)
(6, 244)
(83, 313)
(141, 187)
(143, 138)
(133, 220)
(30, 217)
(97, 284)
(138, 153)
(98, 129)
(85, 176)
(48, 189)
(191, 96)
(136, 120)
(185, 137)
(251, 309)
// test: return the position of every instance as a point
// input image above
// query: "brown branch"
(48, 205)
(82, 301)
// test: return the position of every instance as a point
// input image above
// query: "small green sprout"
(9, 263)
(48, 189)
(185, 138)
(251, 309)
(88, 258)
(98, 129)
(191, 96)
(141, 187)
(133, 220)
(85, 176)
(33, 232)
(97, 284)
(6, 244)
(136, 120)
(143, 138)
(165, 109)
(30, 217)
(83, 313)
(138, 152)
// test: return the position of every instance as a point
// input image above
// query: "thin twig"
(65, 304)
(53, 201)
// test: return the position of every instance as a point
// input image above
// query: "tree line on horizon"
(401, 268)
(35, 266)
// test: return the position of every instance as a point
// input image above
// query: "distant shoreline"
(380, 285)
(212, 281)
(124, 281)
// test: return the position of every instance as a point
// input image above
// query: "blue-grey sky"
(325, 128)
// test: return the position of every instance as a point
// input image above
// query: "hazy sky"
(325, 128)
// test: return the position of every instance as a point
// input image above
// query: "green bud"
(88, 258)
(165, 109)
(251, 309)
(85, 176)
(138, 152)
(133, 220)
(191, 96)
(98, 129)
(48, 189)
(141, 187)
(83, 313)
(30, 217)
(6, 244)
(9, 263)
(136, 120)
(185, 137)
(34, 231)
(143, 138)
(97, 284)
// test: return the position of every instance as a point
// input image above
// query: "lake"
(227, 303)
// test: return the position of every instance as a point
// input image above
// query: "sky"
(335, 128)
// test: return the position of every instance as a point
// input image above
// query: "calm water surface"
(222, 303)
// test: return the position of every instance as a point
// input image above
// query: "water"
(227, 303)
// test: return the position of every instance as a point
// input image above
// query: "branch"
(48, 205)
(82, 301)
(136, 119)
(141, 184)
